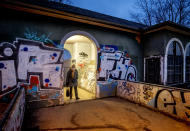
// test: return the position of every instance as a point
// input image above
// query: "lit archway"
(83, 51)
(173, 64)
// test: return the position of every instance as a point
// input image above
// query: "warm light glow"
(78, 38)
(84, 55)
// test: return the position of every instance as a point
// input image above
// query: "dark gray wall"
(183, 38)
(14, 24)
(155, 43)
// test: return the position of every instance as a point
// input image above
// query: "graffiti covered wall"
(170, 100)
(32, 65)
(114, 64)
(16, 116)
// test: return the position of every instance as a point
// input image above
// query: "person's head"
(73, 67)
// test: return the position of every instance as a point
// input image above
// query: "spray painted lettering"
(114, 65)
(170, 100)
(174, 102)
(32, 65)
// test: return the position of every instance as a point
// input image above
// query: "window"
(175, 64)
(152, 72)
(187, 74)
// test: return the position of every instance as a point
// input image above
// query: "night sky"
(117, 8)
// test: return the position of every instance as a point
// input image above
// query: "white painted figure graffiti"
(30, 64)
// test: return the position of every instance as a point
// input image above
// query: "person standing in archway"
(72, 81)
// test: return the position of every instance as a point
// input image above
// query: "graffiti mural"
(170, 100)
(44, 62)
(174, 102)
(147, 91)
(8, 79)
(87, 77)
(114, 64)
(32, 65)
(16, 115)
(127, 89)
(8, 75)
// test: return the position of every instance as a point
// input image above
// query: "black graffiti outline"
(174, 104)
(166, 104)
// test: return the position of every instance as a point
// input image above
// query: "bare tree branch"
(158, 11)
(63, 1)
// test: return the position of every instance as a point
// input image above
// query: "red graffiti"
(34, 81)
(11, 95)
(46, 85)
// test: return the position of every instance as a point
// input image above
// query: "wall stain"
(146, 129)
(147, 122)
(73, 119)
(88, 128)
(142, 118)
(99, 117)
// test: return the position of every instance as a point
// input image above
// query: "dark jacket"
(72, 81)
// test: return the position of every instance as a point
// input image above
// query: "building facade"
(39, 41)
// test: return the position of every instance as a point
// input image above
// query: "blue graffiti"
(66, 55)
(2, 65)
(47, 80)
(109, 87)
(57, 68)
(108, 48)
(55, 96)
(42, 38)
(110, 80)
(33, 90)
(4, 86)
(25, 49)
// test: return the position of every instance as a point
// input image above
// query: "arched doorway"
(83, 53)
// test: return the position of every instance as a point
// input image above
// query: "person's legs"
(71, 87)
(76, 92)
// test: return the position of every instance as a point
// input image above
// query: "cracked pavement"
(108, 114)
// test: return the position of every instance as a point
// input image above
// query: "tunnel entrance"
(82, 52)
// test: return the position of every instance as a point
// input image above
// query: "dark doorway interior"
(152, 74)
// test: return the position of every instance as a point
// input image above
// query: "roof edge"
(51, 12)
(35, 9)
(168, 25)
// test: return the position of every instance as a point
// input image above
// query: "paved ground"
(109, 114)
(83, 94)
